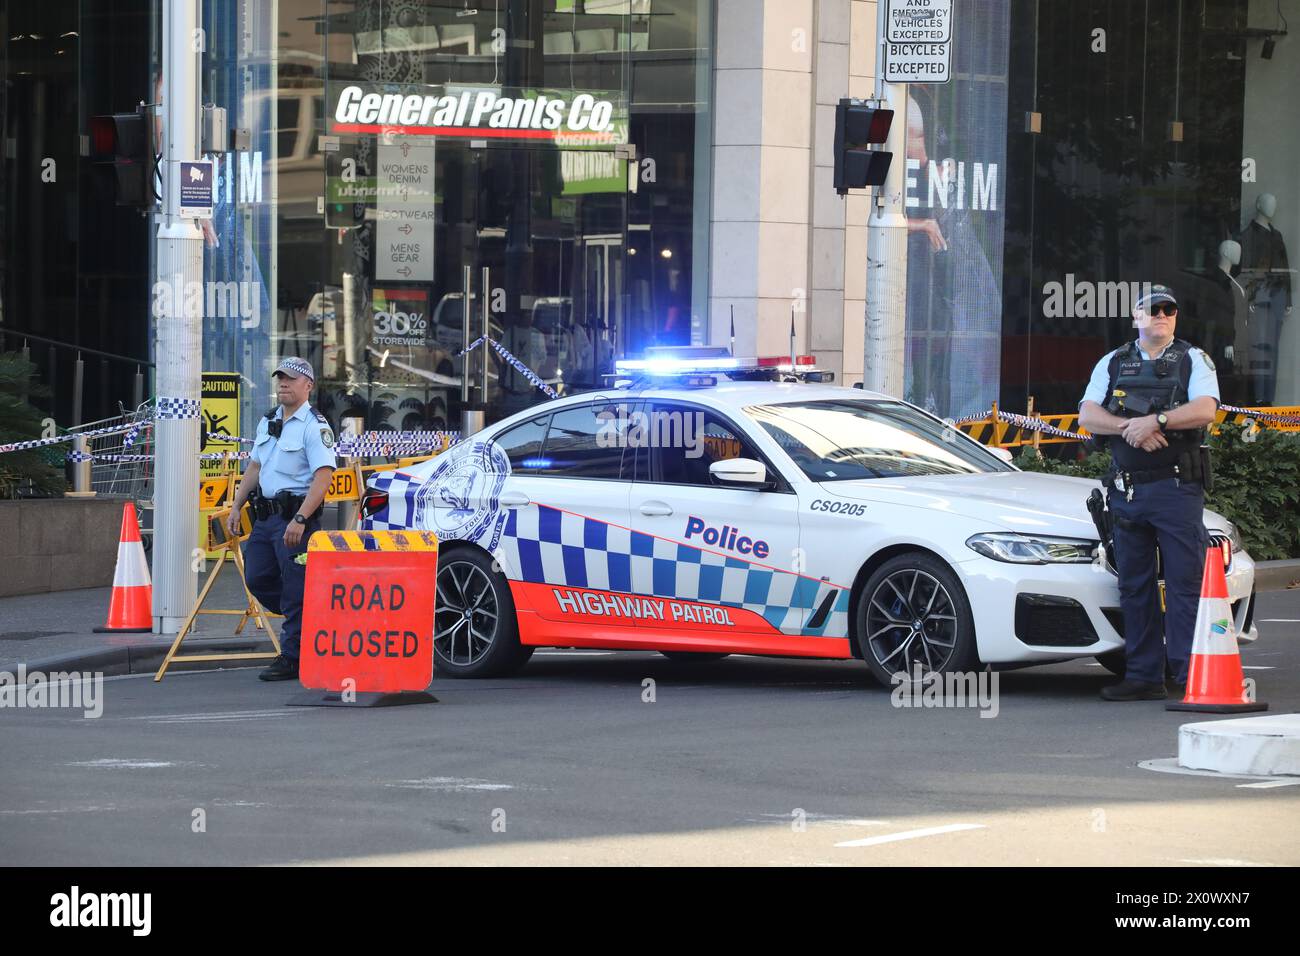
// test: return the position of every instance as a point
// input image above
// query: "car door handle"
(515, 499)
(656, 509)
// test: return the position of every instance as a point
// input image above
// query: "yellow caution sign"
(220, 403)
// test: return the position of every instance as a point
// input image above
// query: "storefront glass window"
(1166, 154)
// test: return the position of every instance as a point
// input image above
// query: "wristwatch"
(1162, 419)
(299, 519)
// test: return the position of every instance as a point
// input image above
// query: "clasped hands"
(1145, 433)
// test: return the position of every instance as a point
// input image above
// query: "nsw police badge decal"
(461, 497)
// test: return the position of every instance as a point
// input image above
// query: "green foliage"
(1256, 484)
(1092, 466)
(23, 472)
(1257, 487)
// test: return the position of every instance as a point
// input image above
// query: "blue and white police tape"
(222, 436)
(973, 418)
(134, 433)
(225, 456)
(1259, 416)
(514, 362)
(168, 408)
(76, 456)
(1025, 423)
(524, 370)
(59, 439)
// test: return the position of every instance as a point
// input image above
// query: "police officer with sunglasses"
(1150, 402)
(288, 474)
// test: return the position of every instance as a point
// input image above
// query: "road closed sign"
(367, 615)
(918, 41)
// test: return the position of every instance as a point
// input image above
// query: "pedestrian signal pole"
(179, 343)
(883, 359)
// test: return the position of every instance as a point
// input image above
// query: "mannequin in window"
(1265, 275)
(1226, 323)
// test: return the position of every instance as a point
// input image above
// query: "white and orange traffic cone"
(1215, 684)
(131, 608)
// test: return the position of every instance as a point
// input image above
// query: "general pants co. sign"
(563, 118)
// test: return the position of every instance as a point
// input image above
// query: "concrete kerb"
(145, 658)
(1277, 575)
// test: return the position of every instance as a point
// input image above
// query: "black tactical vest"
(1140, 387)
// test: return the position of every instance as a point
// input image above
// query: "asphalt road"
(743, 761)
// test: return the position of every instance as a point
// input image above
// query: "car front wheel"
(475, 632)
(914, 617)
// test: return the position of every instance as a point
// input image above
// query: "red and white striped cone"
(1215, 684)
(130, 610)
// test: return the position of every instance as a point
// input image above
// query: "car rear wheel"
(692, 657)
(914, 617)
(475, 631)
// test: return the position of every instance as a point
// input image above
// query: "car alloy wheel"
(911, 622)
(468, 617)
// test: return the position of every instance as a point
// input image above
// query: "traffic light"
(122, 151)
(858, 126)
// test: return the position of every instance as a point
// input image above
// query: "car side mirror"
(745, 472)
(1004, 454)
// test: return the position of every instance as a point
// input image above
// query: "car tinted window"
(523, 445)
(684, 441)
(583, 442)
(838, 439)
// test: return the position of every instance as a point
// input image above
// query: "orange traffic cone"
(1214, 680)
(131, 608)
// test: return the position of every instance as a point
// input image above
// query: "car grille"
(1047, 620)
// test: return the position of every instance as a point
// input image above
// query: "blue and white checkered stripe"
(400, 513)
(169, 407)
(557, 547)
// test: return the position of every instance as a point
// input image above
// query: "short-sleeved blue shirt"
(1203, 382)
(305, 445)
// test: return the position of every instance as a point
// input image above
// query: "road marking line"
(1258, 667)
(220, 714)
(1279, 620)
(122, 763)
(1268, 784)
(912, 834)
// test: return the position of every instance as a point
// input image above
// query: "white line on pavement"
(1258, 667)
(912, 834)
(221, 714)
(1269, 784)
(1279, 620)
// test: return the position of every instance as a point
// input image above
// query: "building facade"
(579, 180)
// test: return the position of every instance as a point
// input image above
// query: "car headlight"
(1235, 537)
(1032, 548)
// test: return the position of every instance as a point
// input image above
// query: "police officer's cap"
(295, 367)
(1157, 293)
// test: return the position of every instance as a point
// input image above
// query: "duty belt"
(284, 503)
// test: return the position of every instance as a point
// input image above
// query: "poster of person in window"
(956, 146)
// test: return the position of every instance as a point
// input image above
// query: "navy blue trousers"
(1170, 515)
(275, 579)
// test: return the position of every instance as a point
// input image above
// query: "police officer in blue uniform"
(1150, 401)
(288, 474)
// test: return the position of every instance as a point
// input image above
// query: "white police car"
(702, 508)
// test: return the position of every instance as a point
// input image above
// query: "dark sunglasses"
(1167, 308)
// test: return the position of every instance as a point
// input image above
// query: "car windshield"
(842, 440)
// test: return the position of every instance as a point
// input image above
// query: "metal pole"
(487, 296)
(884, 357)
(81, 468)
(179, 345)
(464, 315)
(137, 393)
(78, 387)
